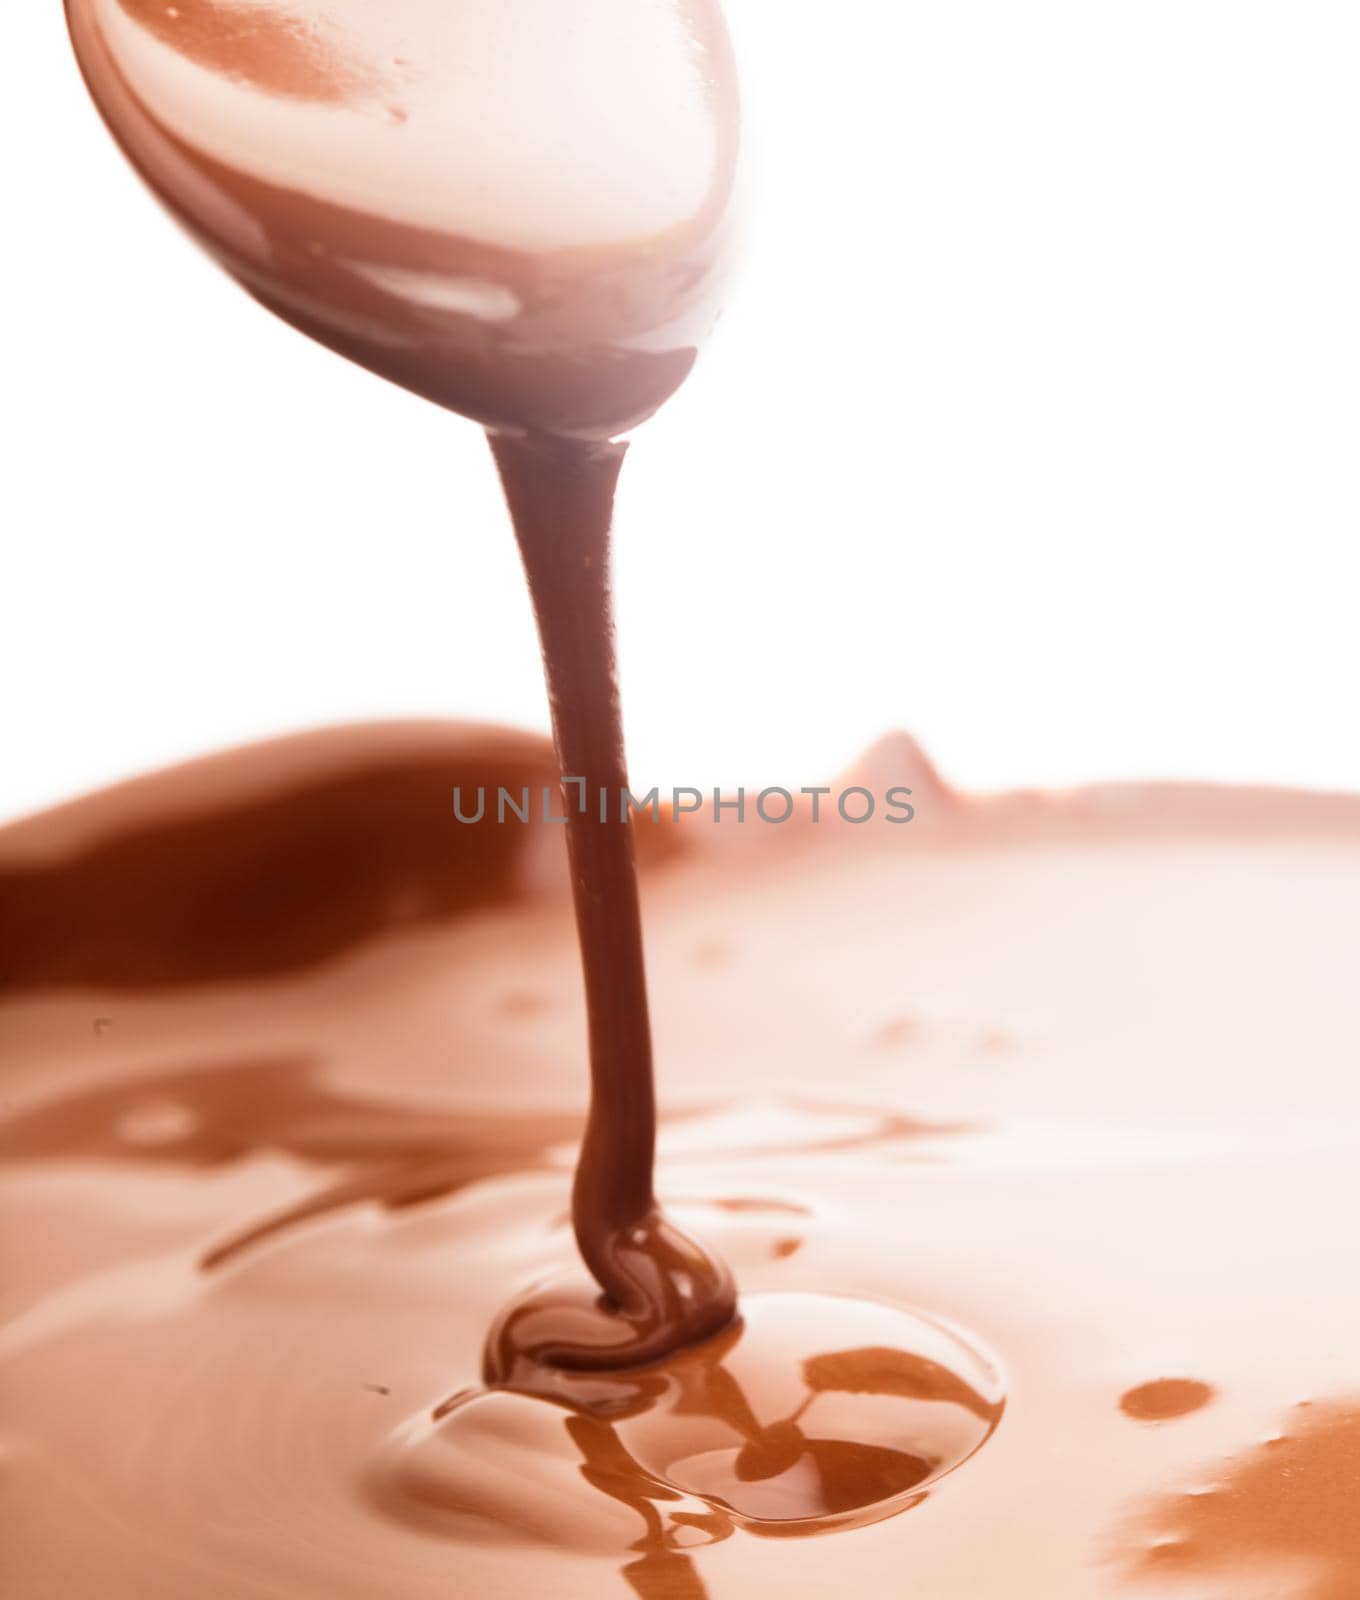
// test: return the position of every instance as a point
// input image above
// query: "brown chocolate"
(291, 1062)
(516, 210)
(661, 1289)
(257, 1222)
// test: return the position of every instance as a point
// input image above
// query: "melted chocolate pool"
(266, 1181)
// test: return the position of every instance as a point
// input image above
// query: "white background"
(1032, 428)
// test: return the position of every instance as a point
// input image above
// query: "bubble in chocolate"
(810, 1413)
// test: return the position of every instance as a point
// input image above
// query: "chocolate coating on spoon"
(517, 210)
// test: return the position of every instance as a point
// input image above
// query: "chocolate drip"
(661, 1289)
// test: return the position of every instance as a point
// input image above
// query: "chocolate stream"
(668, 1289)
